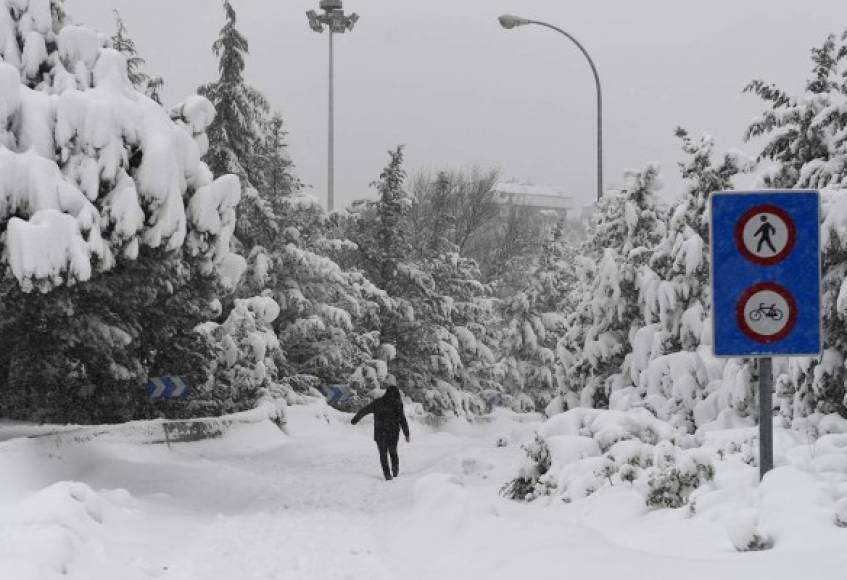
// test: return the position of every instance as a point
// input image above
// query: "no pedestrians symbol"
(765, 234)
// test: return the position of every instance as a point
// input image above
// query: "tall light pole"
(337, 22)
(508, 22)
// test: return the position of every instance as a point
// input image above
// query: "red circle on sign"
(741, 319)
(782, 215)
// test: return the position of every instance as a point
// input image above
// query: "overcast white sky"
(443, 78)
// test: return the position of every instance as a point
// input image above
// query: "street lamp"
(508, 22)
(337, 22)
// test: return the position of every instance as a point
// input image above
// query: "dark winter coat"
(388, 417)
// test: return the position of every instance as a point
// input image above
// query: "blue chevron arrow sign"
(168, 387)
(493, 399)
(337, 393)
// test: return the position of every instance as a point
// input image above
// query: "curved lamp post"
(337, 22)
(508, 22)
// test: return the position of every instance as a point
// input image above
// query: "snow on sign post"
(766, 285)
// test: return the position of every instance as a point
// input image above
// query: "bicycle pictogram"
(766, 311)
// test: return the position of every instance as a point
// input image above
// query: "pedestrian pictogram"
(765, 234)
(765, 274)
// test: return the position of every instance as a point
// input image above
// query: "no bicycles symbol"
(767, 312)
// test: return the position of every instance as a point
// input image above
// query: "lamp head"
(330, 5)
(509, 21)
(315, 21)
(352, 20)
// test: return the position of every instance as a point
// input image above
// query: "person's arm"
(366, 410)
(404, 425)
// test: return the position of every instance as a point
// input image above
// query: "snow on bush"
(677, 475)
(841, 513)
(577, 453)
(52, 529)
(609, 427)
(746, 534)
(526, 486)
(91, 169)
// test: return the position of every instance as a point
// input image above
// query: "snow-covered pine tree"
(626, 227)
(383, 254)
(238, 134)
(440, 305)
(671, 365)
(135, 64)
(805, 139)
(107, 211)
(278, 179)
(447, 212)
(534, 321)
(245, 139)
(274, 196)
(463, 314)
(326, 325)
(806, 147)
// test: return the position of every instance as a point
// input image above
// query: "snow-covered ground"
(259, 504)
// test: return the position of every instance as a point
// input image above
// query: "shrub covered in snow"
(746, 534)
(526, 486)
(676, 475)
(582, 451)
(841, 513)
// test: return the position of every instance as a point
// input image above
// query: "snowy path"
(259, 505)
(317, 517)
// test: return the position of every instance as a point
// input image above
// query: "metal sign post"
(765, 416)
(766, 285)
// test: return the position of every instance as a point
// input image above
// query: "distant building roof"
(532, 195)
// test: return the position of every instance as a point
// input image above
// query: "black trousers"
(386, 450)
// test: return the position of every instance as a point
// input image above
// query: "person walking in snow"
(388, 421)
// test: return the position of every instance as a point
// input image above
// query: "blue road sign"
(766, 273)
(168, 387)
(337, 393)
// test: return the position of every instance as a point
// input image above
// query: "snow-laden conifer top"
(91, 170)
